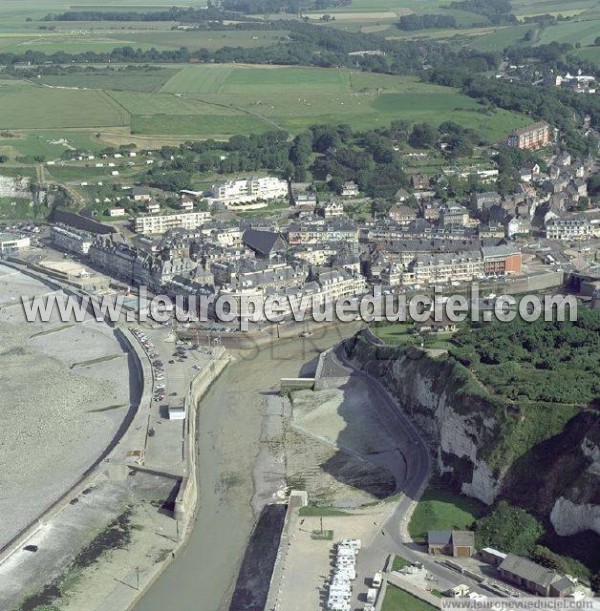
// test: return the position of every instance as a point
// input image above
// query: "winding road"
(393, 537)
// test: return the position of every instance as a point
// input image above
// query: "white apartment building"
(447, 267)
(249, 193)
(164, 222)
(569, 229)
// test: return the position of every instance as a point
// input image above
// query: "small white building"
(116, 212)
(177, 412)
(350, 189)
(12, 243)
(152, 207)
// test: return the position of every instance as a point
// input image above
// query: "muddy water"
(203, 576)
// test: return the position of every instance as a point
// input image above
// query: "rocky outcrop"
(580, 509)
(543, 457)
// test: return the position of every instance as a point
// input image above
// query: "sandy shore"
(65, 392)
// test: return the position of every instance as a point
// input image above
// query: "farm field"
(500, 38)
(295, 98)
(212, 40)
(139, 79)
(223, 100)
(51, 43)
(26, 106)
(583, 32)
(227, 79)
(526, 8)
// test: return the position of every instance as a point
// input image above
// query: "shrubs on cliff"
(553, 362)
(508, 529)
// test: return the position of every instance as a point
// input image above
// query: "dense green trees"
(509, 529)
(414, 22)
(552, 362)
(496, 11)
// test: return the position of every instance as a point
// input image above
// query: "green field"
(262, 81)
(591, 54)
(27, 106)
(399, 600)
(194, 40)
(201, 126)
(295, 98)
(12, 209)
(50, 142)
(442, 509)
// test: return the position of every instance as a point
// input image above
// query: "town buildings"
(71, 240)
(457, 543)
(565, 228)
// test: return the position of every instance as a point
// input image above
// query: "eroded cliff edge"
(542, 457)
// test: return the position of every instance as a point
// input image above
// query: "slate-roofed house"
(457, 543)
(265, 244)
(533, 577)
(480, 201)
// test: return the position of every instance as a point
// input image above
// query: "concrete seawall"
(187, 497)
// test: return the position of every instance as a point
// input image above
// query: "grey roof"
(463, 537)
(439, 537)
(526, 569)
(563, 583)
(503, 250)
(262, 242)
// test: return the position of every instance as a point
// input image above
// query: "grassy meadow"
(27, 106)
(442, 509)
(202, 101)
(399, 600)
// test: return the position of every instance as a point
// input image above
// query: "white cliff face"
(456, 434)
(484, 486)
(591, 450)
(569, 517)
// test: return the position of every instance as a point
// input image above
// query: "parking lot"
(310, 563)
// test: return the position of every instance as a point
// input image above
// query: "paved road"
(393, 536)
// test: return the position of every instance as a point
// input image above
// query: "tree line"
(413, 22)
(253, 7)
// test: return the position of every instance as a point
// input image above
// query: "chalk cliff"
(542, 457)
